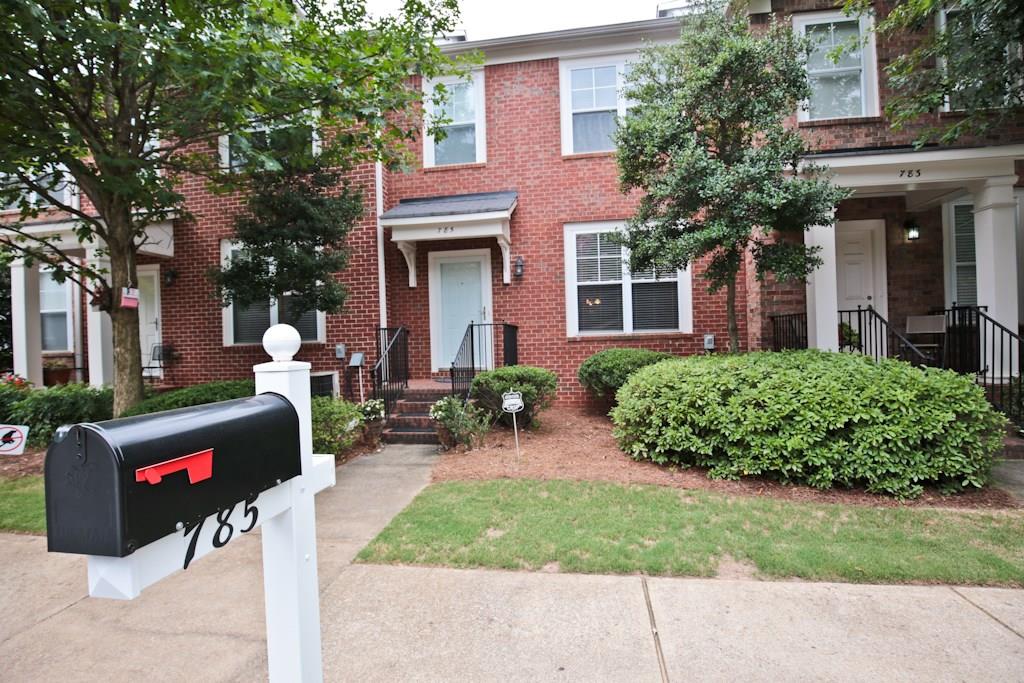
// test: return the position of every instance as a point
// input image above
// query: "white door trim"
(878, 245)
(434, 260)
(154, 269)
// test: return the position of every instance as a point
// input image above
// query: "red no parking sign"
(12, 439)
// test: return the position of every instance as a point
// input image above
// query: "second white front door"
(149, 319)
(460, 293)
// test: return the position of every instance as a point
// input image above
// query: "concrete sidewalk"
(409, 623)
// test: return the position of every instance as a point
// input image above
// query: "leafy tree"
(6, 348)
(720, 173)
(974, 62)
(129, 96)
(291, 241)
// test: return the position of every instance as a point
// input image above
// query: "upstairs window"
(846, 87)
(604, 297)
(296, 145)
(592, 103)
(60, 188)
(463, 110)
(246, 324)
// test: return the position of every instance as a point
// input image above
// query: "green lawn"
(21, 505)
(608, 528)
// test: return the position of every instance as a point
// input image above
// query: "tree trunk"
(730, 309)
(124, 321)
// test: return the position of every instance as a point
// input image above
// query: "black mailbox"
(115, 486)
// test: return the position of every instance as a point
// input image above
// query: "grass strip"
(21, 505)
(594, 527)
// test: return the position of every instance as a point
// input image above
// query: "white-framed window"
(591, 102)
(61, 186)
(603, 297)
(323, 383)
(281, 141)
(465, 141)
(55, 306)
(246, 324)
(848, 87)
(963, 260)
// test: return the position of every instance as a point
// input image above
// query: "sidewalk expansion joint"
(989, 614)
(654, 632)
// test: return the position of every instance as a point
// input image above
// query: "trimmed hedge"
(44, 410)
(199, 394)
(536, 384)
(336, 424)
(823, 419)
(606, 371)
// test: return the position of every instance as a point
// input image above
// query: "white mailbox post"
(287, 516)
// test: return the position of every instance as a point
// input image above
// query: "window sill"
(588, 155)
(625, 336)
(453, 167)
(844, 121)
(251, 345)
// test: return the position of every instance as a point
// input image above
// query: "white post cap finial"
(281, 342)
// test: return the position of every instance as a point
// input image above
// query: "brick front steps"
(410, 422)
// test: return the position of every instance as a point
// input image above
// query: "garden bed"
(570, 443)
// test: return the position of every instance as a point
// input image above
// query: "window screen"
(459, 145)
(322, 385)
(595, 107)
(53, 311)
(250, 322)
(305, 323)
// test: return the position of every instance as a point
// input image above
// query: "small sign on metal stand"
(512, 402)
(13, 439)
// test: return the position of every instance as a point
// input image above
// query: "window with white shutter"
(603, 297)
(964, 266)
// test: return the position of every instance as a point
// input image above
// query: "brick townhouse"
(505, 224)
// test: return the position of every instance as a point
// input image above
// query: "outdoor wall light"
(170, 275)
(520, 264)
(913, 230)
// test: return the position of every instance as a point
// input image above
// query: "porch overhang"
(453, 217)
(157, 240)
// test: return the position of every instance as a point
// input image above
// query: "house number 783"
(910, 173)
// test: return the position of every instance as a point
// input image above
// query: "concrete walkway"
(1009, 474)
(409, 623)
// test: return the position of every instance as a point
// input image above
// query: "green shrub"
(44, 410)
(536, 384)
(606, 371)
(335, 424)
(460, 422)
(824, 419)
(194, 396)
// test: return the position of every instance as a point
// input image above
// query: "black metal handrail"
(789, 331)
(865, 331)
(391, 371)
(482, 348)
(978, 344)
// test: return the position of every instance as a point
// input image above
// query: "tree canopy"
(705, 141)
(126, 98)
(966, 56)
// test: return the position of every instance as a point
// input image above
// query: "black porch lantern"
(520, 264)
(912, 229)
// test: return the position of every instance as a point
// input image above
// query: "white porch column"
(995, 244)
(101, 337)
(823, 291)
(26, 325)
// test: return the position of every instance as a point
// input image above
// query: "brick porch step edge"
(409, 435)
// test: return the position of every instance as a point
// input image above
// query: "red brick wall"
(524, 154)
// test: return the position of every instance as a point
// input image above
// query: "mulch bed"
(574, 444)
(28, 463)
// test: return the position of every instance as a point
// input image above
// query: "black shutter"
(600, 307)
(655, 306)
(251, 322)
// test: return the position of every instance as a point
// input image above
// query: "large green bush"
(824, 419)
(44, 410)
(606, 371)
(194, 396)
(459, 422)
(536, 384)
(335, 424)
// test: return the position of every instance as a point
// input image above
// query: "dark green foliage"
(195, 395)
(335, 424)
(6, 345)
(459, 422)
(44, 410)
(536, 384)
(292, 241)
(823, 419)
(603, 373)
(719, 171)
(9, 397)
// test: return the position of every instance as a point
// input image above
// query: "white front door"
(149, 319)
(460, 293)
(856, 269)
